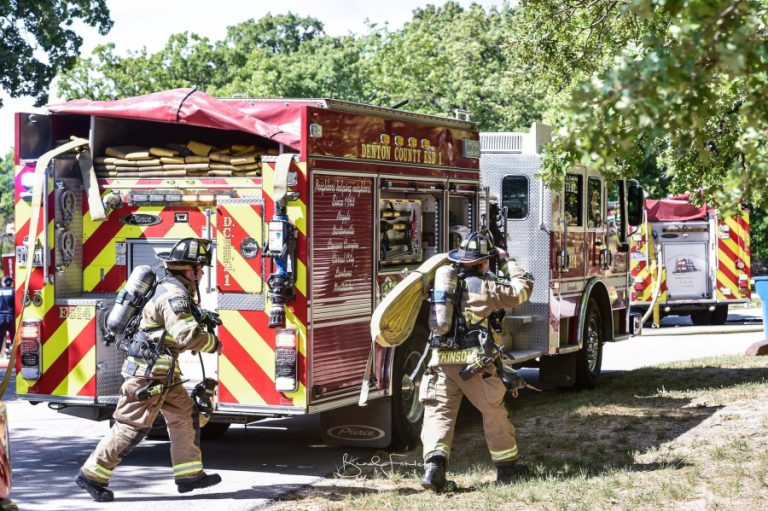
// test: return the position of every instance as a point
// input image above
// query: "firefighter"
(458, 367)
(170, 323)
(6, 313)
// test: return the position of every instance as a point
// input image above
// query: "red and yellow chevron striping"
(733, 258)
(640, 253)
(247, 366)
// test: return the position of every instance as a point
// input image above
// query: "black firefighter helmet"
(474, 247)
(187, 252)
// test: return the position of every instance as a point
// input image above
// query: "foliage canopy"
(38, 41)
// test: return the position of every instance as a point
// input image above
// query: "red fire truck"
(577, 253)
(697, 259)
(316, 208)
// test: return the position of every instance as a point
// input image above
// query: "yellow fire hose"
(657, 288)
(37, 201)
(394, 318)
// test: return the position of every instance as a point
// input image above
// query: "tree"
(248, 61)
(684, 82)
(6, 183)
(187, 60)
(37, 41)
(446, 58)
(449, 58)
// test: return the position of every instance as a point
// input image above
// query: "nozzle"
(277, 316)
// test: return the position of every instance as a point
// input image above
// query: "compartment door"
(342, 281)
(239, 245)
(687, 270)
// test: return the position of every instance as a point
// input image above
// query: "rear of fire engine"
(576, 247)
(690, 260)
(316, 209)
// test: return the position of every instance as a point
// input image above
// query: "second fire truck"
(690, 260)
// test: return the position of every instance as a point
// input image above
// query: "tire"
(589, 359)
(703, 317)
(720, 315)
(214, 431)
(407, 411)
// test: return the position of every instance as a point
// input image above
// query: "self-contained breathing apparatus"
(121, 325)
(122, 322)
(449, 329)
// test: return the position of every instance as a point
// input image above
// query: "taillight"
(743, 281)
(30, 349)
(285, 360)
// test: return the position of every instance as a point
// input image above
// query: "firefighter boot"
(202, 481)
(97, 491)
(434, 474)
(511, 472)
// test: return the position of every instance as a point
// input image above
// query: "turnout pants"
(133, 420)
(441, 392)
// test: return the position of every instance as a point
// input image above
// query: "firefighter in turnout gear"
(460, 365)
(170, 323)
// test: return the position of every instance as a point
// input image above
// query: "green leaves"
(683, 90)
(445, 58)
(6, 184)
(37, 41)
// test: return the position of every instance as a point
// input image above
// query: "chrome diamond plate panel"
(528, 241)
(241, 302)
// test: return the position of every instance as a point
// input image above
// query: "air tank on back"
(441, 304)
(130, 300)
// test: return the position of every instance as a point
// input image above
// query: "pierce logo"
(357, 432)
(140, 219)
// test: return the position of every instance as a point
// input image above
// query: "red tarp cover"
(195, 108)
(675, 209)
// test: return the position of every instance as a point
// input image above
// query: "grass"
(685, 436)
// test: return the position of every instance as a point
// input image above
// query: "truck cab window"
(573, 199)
(514, 196)
(595, 196)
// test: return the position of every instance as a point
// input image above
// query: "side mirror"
(635, 202)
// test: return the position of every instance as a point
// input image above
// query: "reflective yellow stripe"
(471, 317)
(504, 455)
(445, 356)
(100, 471)
(211, 344)
(187, 468)
(141, 365)
(440, 446)
(184, 324)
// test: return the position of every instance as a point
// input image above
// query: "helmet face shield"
(188, 252)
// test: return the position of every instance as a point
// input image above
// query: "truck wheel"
(590, 357)
(720, 315)
(214, 430)
(407, 411)
(700, 318)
